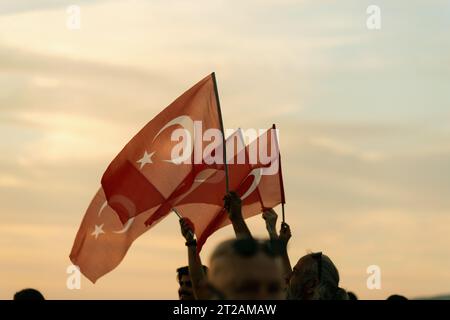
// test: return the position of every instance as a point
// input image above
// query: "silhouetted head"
(184, 280)
(396, 297)
(28, 294)
(315, 277)
(247, 269)
(351, 296)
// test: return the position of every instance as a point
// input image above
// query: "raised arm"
(233, 205)
(270, 216)
(196, 272)
(285, 235)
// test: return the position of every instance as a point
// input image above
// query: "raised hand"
(285, 233)
(233, 204)
(187, 229)
(270, 216)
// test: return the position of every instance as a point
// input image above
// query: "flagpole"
(180, 217)
(176, 212)
(223, 133)
(283, 200)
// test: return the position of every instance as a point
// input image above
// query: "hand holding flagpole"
(190, 233)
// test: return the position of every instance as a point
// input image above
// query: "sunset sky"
(364, 119)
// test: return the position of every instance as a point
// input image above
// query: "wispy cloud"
(20, 6)
(364, 135)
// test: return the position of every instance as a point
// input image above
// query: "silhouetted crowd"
(246, 268)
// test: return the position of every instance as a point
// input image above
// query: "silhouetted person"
(315, 277)
(247, 269)
(28, 294)
(396, 297)
(185, 291)
(351, 296)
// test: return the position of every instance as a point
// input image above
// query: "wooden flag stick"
(283, 199)
(223, 133)
(180, 217)
(176, 212)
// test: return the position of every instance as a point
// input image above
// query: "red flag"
(147, 172)
(143, 176)
(258, 184)
(209, 183)
(102, 240)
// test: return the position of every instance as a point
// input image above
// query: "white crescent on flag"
(187, 124)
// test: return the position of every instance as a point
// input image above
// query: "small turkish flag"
(258, 183)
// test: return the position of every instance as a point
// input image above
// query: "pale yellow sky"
(363, 117)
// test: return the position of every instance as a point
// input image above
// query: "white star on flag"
(146, 158)
(98, 230)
